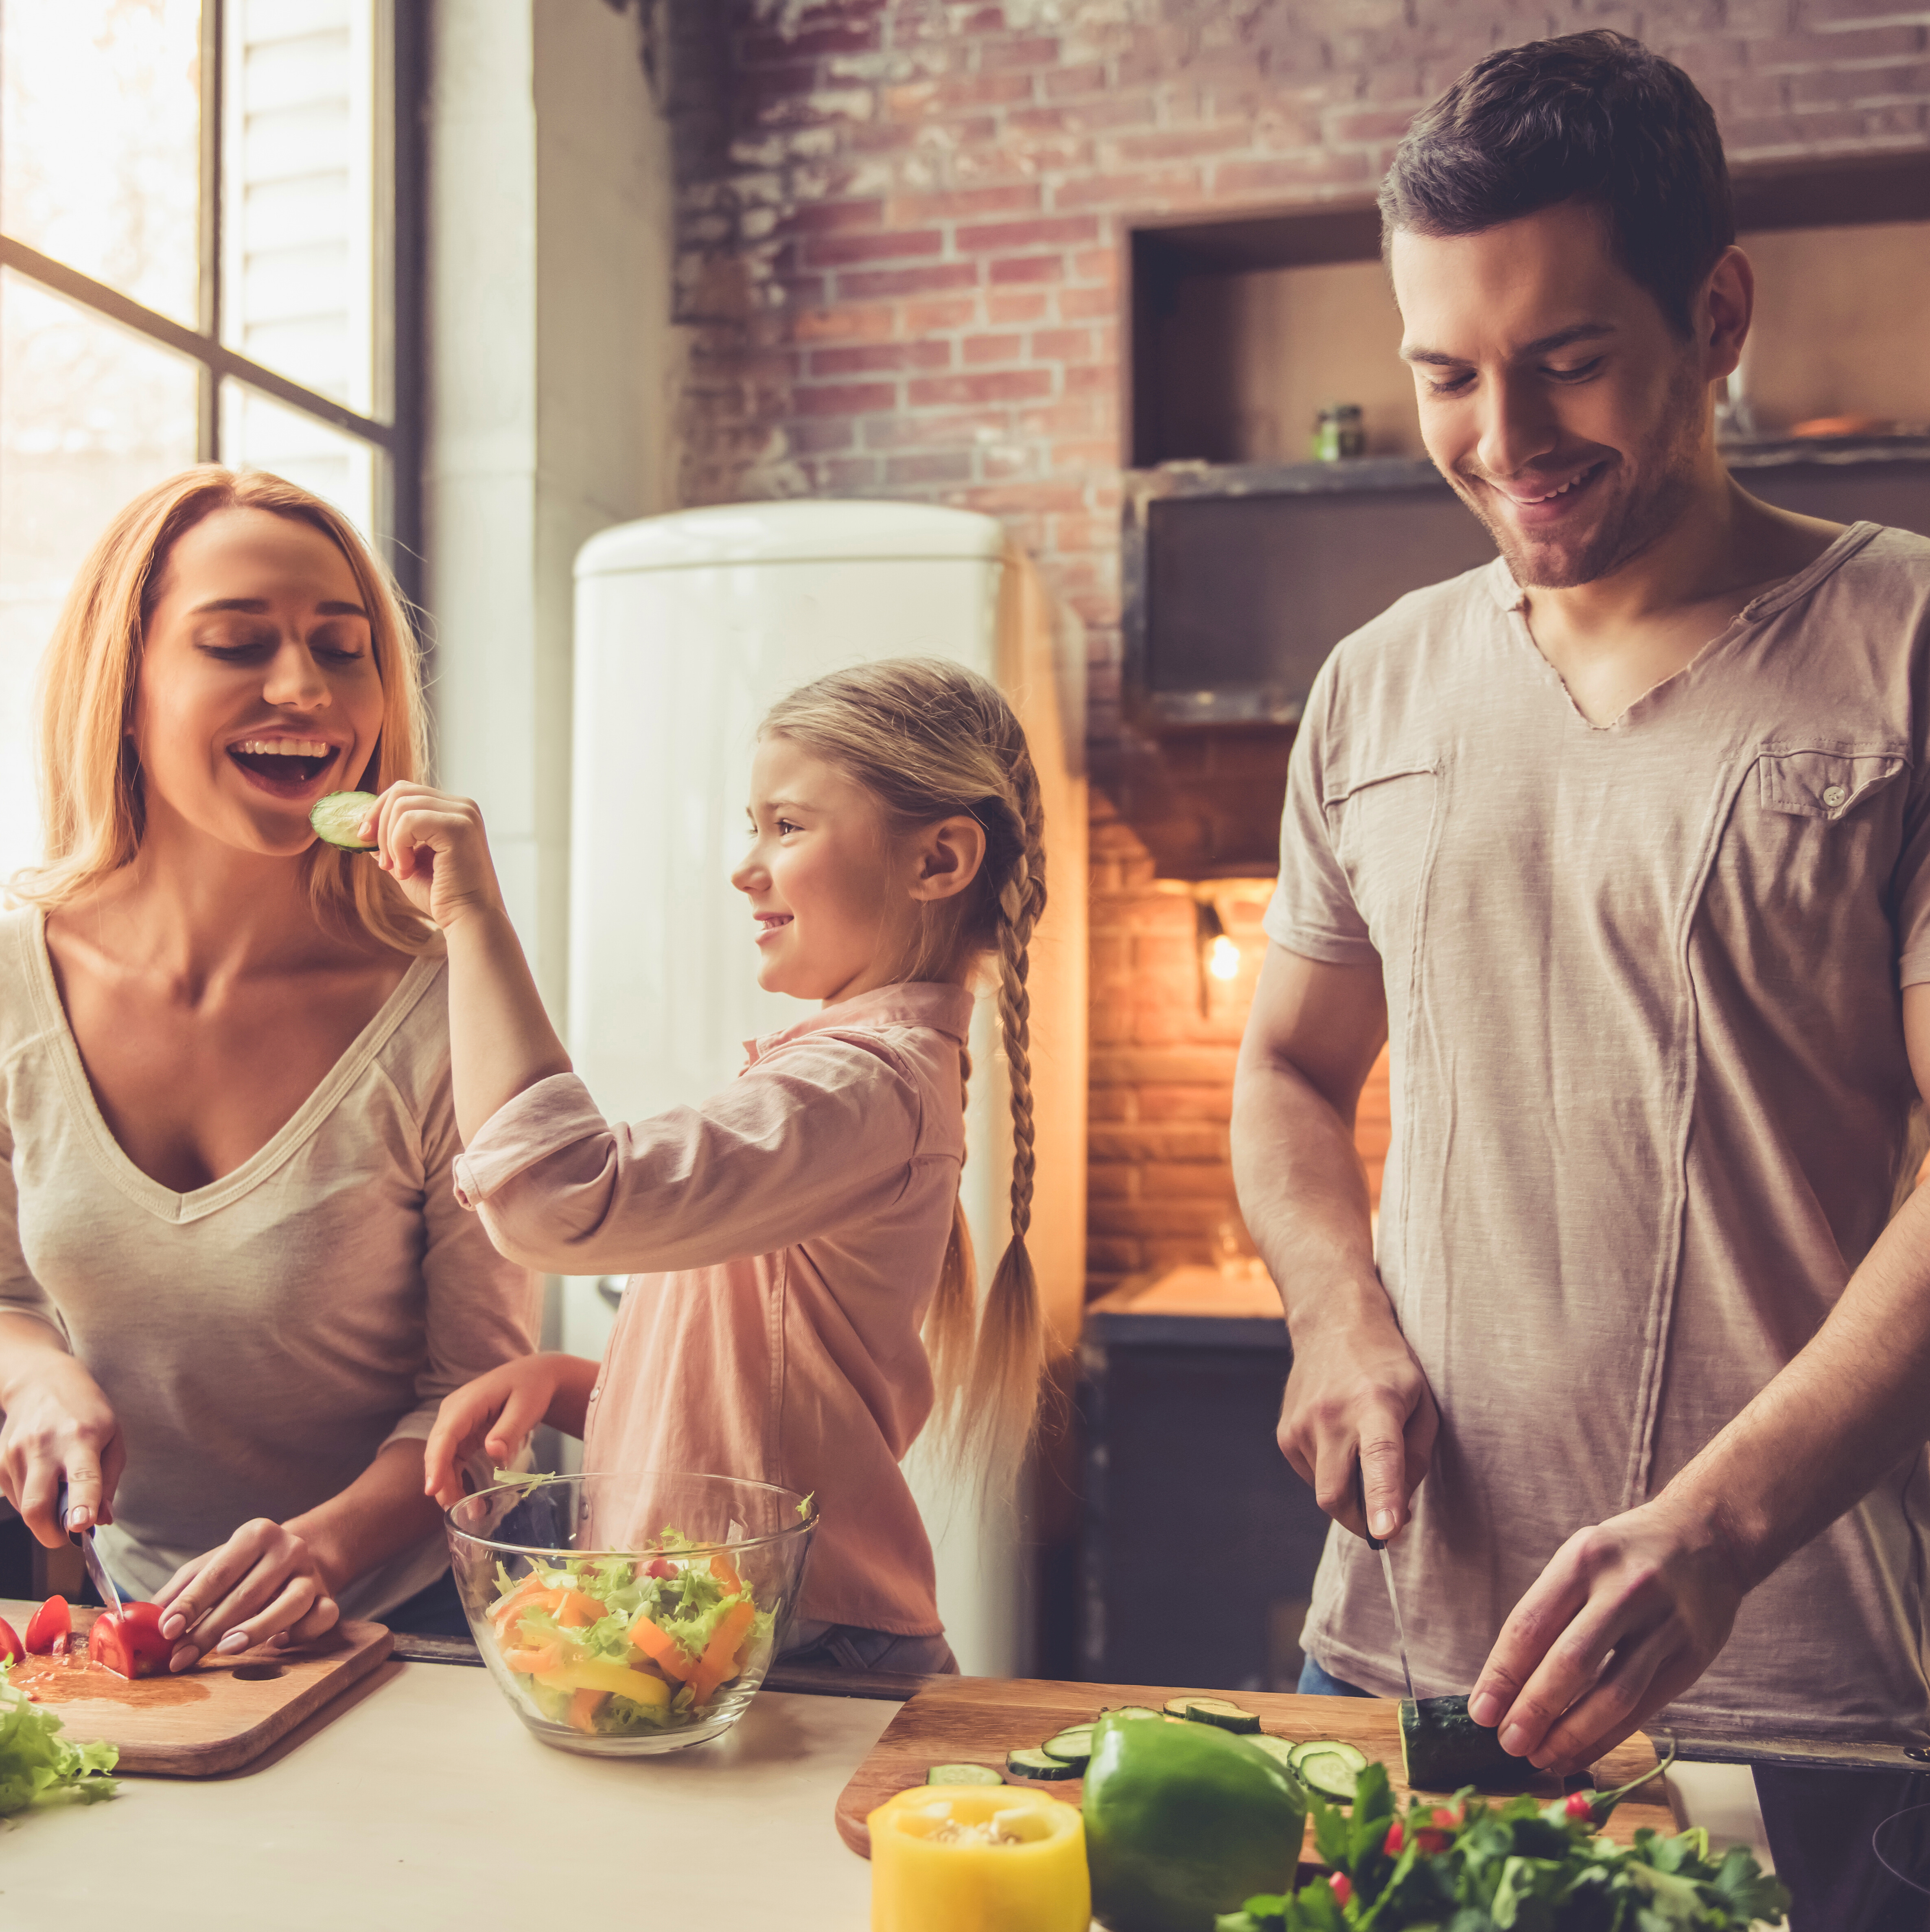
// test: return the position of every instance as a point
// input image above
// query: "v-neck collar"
(1778, 597)
(164, 1203)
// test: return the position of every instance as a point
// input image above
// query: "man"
(1622, 841)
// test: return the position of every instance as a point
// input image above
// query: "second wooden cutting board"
(218, 1718)
(977, 1720)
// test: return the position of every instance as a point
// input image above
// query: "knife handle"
(1360, 1500)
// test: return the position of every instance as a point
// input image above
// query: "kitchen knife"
(96, 1569)
(1387, 1571)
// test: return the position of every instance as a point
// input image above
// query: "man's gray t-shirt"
(1650, 1093)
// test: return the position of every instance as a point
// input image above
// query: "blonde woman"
(797, 1240)
(234, 1282)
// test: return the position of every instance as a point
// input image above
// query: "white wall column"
(552, 367)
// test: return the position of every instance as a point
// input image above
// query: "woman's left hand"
(264, 1585)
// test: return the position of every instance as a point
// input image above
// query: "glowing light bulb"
(1223, 960)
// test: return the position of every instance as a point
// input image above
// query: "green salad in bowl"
(624, 1615)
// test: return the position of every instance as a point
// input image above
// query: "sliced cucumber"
(1072, 1746)
(1328, 1773)
(1131, 1711)
(963, 1774)
(1282, 1748)
(1176, 1707)
(1038, 1765)
(1217, 1711)
(337, 818)
(1329, 1747)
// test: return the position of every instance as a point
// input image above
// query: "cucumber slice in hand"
(1039, 1765)
(963, 1774)
(338, 819)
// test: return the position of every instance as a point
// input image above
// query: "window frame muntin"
(400, 64)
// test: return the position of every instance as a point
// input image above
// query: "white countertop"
(425, 1805)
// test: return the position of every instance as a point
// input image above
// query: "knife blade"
(1387, 1571)
(96, 1569)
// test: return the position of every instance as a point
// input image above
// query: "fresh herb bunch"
(1533, 1866)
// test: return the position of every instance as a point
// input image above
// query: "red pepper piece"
(1342, 1886)
(49, 1627)
(1580, 1805)
(1396, 1838)
(11, 1648)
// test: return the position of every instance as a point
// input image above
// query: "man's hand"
(1356, 1394)
(1625, 1618)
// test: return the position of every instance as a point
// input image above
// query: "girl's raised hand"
(433, 844)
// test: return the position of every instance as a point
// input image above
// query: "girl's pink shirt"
(784, 1240)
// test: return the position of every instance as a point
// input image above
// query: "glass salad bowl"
(625, 1614)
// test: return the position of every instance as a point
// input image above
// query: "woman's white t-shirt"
(261, 1339)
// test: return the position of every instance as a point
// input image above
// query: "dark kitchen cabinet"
(1200, 1543)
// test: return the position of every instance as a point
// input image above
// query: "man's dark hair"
(1594, 118)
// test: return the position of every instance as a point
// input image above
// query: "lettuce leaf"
(37, 1765)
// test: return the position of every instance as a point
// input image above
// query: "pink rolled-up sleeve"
(813, 1136)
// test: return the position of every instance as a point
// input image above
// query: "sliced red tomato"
(11, 1648)
(132, 1642)
(49, 1627)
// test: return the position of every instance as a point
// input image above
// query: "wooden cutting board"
(977, 1720)
(216, 1717)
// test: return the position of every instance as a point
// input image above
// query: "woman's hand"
(434, 844)
(59, 1428)
(264, 1585)
(495, 1413)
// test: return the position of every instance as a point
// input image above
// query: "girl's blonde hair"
(930, 739)
(92, 804)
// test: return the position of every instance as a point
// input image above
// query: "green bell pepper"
(1184, 1822)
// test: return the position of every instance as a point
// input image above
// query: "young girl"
(797, 1240)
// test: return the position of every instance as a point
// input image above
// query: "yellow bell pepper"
(963, 1858)
(614, 1678)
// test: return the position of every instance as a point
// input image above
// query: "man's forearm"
(1823, 1433)
(1303, 1192)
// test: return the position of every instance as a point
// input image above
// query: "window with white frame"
(199, 262)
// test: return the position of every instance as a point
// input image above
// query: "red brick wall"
(898, 258)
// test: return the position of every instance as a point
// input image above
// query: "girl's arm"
(501, 1042)
(821, 1135)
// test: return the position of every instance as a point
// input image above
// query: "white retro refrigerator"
(687, 627)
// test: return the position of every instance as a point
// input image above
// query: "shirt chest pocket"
(1821, 782)
(1382, 828)
(1805, 868)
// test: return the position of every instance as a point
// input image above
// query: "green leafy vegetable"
(37, 1765)
(1523, 1865)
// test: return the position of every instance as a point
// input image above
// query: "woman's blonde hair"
(92, 804)
(930, 740)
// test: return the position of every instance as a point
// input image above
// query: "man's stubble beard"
(1654, 492)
